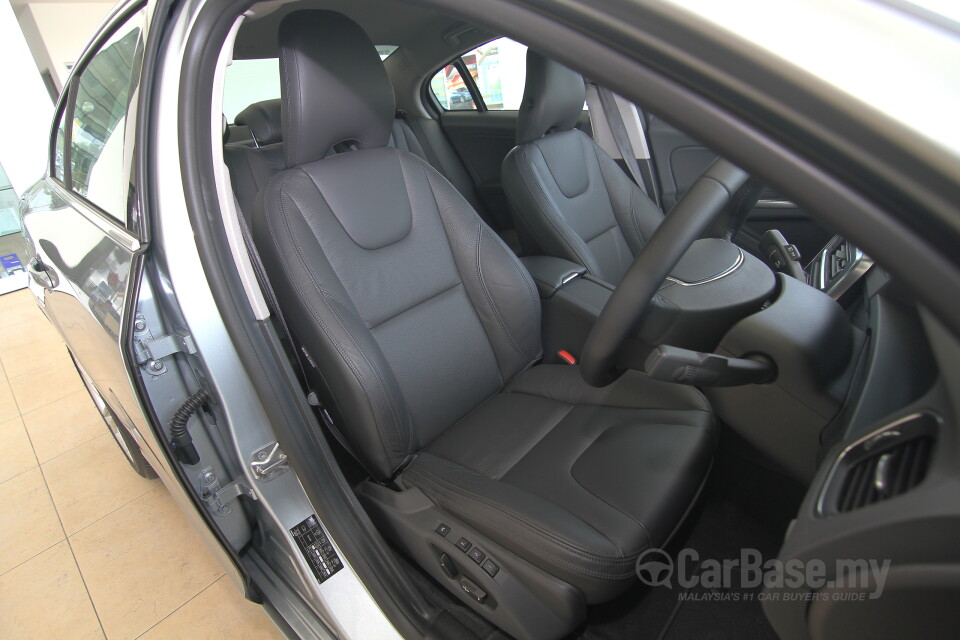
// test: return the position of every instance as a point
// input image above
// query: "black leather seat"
(426, 329)
(568, 197)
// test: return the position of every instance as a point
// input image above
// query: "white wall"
(26, 109)
(63, 30)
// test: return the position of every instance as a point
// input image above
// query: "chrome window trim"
(109, 225)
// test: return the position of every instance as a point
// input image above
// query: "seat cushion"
(576, 480)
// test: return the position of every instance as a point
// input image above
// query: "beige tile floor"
(89, 549)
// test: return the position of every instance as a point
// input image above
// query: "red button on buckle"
(566, 356)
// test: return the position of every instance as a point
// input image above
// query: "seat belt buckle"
(566, 356)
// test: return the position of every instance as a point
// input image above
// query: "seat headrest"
(334, 87)
(263, 120)
(552, 98)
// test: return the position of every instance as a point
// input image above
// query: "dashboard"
(887, 480)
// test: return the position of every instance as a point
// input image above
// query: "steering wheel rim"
(692, 216)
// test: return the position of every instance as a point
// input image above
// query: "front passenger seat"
(568, 197)
(500, 476)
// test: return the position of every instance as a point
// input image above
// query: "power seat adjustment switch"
(471, 589)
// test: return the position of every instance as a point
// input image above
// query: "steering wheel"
(709, 196)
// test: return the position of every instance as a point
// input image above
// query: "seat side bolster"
(536, 214)
(637, 215)
(500, 289)
(360, 389)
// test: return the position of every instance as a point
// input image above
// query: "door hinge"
(219, 498)
(151, 351)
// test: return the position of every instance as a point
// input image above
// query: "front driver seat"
(426, 331)
(568, 197)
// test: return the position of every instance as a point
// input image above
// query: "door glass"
(105, 87)
(58, 158)
(499, 68)
(451, 90)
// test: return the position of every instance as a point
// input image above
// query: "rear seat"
(252, 164)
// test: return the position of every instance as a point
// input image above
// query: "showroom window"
(101, 97)
(497, 71)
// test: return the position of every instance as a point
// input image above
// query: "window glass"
(385, 50)
(58, 158)
(451, 90)
(255, 80)
(499, 69)
(104, 89)
(249, 81)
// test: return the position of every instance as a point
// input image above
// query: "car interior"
(535, 362)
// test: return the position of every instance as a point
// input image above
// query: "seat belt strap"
(618, 130)
(621, 138)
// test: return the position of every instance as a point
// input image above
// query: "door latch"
(268, 462)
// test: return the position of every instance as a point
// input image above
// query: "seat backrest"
(568, 197)
(413, 309)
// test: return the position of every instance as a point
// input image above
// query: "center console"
(715, 285)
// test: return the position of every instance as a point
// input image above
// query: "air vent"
(885, 475)
(890, 461)
(839, 258)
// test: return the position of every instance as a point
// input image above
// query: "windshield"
(886, 57)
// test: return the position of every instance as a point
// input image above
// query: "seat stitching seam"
(607, 230)
(531, 289)
(546, 433)
(617, 509)
(594, 404)
(489, 296)
(415, 305)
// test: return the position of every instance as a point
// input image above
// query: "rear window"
(249, 81)
(498, 69)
